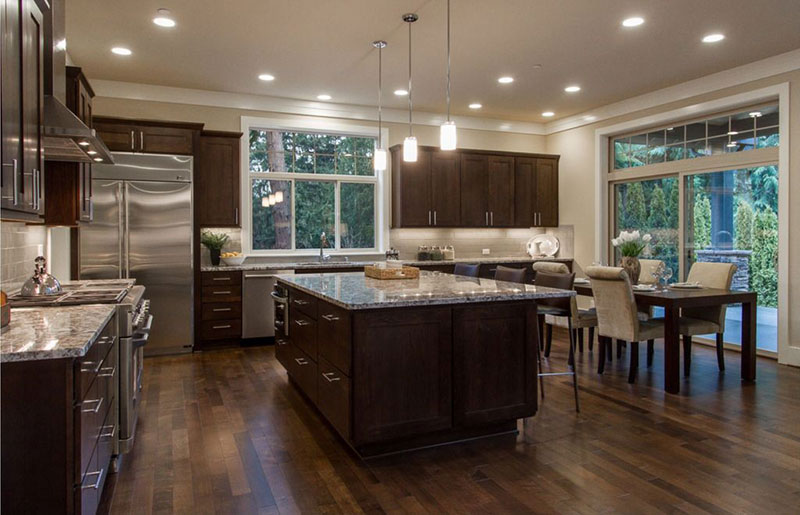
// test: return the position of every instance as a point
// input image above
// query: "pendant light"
(410, 143)
(447, 132)
(380, 152)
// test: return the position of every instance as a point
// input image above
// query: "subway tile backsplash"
(18, 248)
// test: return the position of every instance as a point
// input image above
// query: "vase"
(632, 266)
(214, 256)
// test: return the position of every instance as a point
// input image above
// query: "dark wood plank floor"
(224, 432)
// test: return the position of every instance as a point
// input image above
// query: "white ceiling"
(324, 46)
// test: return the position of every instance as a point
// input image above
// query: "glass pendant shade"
(271, 199)
(447, 135)
(278, 197)
(410, 149)
(264, 201)
(380, 160)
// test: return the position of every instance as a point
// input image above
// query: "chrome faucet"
(323, 242)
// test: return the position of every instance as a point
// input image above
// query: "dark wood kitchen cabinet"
(220, 319)
(22, 99)
(68, 198)
(426, 191)
(147, 136)
(474, 188)
(216, 179)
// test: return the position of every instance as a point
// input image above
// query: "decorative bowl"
(233, 261)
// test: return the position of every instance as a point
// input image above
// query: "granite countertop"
(92, 283)
(307, 265)
(356, 291)
(53, 332)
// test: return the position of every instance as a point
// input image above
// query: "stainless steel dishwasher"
(258, 317)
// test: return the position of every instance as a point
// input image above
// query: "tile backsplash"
(18, 248)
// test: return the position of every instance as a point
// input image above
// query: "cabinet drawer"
(89, 416)
(304, 302)
(222, 293)
(303, 330)
(87, 491)
(85, 371)
(333, 393)
(221, 310)
(333, 335)
(221, 278)
(216, 329)
(303, 370)
(105, 447)
(284, 351)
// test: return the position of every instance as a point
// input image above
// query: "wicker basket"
(406, 272)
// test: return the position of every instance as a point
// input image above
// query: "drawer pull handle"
(106, 372)
(90, 367)
(300, 302)
(330, 318)
(96, 408)
(219, 310)
(226, 292)
(221, 279)
(301, 323)
(301, 361)
(331, 376)
(96, 484)
(108, 431)
(226, 326)
(280, 342)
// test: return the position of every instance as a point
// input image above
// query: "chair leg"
(620, 343)
(572, 338)
(541, 327)
(687, 354)
(609, 348)
(573, 364)
(580, 340)
(549, 341)
(539, 363)
(634, 367)
(601, 346)
(720, 352)
(650, 351)
(591, 338)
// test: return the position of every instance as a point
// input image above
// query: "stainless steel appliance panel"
(258, 316)
(102, 242)
(158, 221)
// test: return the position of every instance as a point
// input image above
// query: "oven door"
(130, 386)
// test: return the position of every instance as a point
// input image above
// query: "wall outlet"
(486, 252)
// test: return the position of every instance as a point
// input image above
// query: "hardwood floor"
(224, 432)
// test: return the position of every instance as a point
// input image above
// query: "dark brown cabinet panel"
(411, 190)
(494, 363)
(166, 140)
(32, 106)
(216, 179)
(474, 185)
(118, 137)
(334, 334)
(525, 191)
(333, 393)
(147, 136)
(501, 191)
(402, 370)
(445, 177)
(547, 191)
(536, 193)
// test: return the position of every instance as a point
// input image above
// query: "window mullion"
(337, 215)
(294, 203)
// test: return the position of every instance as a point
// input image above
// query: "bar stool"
(467, 269)
(508, 274)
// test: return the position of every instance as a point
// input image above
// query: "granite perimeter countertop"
(356, 291)
(313, 265)
(53, 332)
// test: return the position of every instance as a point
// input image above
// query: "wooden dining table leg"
(672, 350)
(749, 311)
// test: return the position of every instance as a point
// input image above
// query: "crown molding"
(781, 63)
(154, 93)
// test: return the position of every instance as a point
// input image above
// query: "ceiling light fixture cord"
(380, 87)
(409, 78)
(448, 60)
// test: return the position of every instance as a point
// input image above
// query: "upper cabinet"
(21, 108)
(146, 136)
(216, 179)
(473, 188)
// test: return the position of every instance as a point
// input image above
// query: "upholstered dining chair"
(467, 269)
(508, 274)
(561, 307)
(706, 320)
(649, 269)
(617, 316)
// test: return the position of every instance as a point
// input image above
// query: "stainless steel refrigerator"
(142, 229)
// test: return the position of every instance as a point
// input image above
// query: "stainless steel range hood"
(67, 138)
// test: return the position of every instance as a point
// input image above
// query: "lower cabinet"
(220, 307)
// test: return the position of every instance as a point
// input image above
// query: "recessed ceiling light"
(755, 114)
(572, 89)
(91, 152)
(733, 133)
(323, 97)
(266, 77)
(163, 21)
(400, 92)
(475, 106)
(713, 38)
(121, 50)
(590, 118)
(548, 114)
(632, 22)
(98, 159)
(61, 45)
(505, 80)
(83, 143)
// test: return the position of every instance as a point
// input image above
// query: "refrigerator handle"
(120, 231)
(127, 236)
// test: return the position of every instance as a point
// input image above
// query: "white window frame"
(787, 352)
(321, 125)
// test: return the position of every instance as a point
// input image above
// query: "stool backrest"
(512, 275)
(467, 269)
(560, 281)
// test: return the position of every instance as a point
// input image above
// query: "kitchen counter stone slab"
(53, 332)
(355, 291)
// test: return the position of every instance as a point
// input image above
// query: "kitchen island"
(400, 364)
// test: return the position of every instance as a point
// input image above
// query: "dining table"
(672, 300)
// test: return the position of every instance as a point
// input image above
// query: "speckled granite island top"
(356, 291)
(53, 332)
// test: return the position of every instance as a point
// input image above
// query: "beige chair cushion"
(710, 275)
(693, 326)
(651, 329)
(649, 267)
(615, 304)
(585, 318)
(551, 267)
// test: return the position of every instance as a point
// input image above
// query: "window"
(305, 183)
(752, 128)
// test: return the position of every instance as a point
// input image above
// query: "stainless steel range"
(134, 321)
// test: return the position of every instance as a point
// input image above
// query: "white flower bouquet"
(631, 244)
